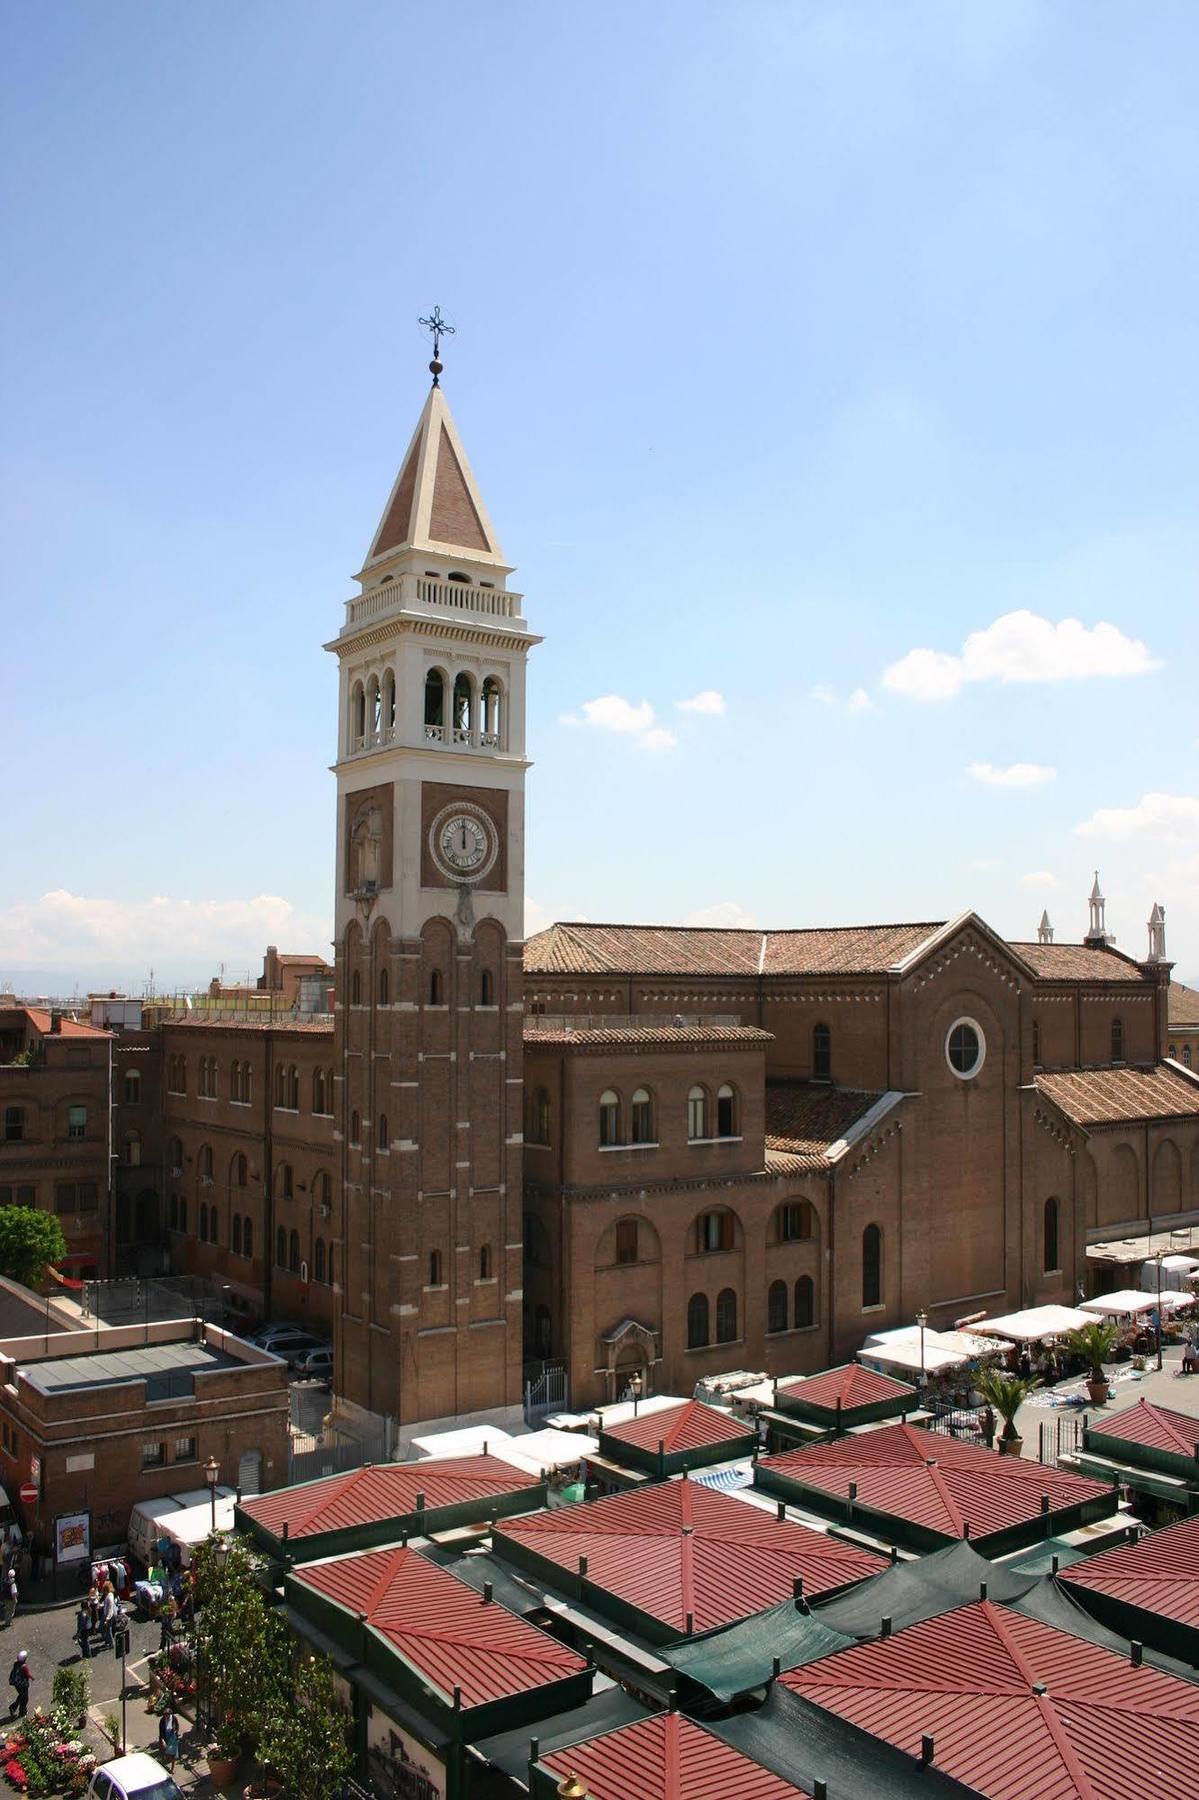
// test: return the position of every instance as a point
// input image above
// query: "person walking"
(168, 1737)
(11, 1597)
(166, 1625)
(19, 1677)
(108, 1613)
(83, 1631)
(93, 1606)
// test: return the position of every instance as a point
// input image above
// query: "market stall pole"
(922, 1321)
(212, 1474)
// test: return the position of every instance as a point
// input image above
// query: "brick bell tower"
(429, 928)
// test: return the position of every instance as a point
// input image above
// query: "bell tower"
(429, 926)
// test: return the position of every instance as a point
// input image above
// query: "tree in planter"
(1007, 1394)
(1094, 1343)
(240, 1645)
(305, 1746)
(29, 1240)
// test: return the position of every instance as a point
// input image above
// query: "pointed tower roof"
(435, 504)
(1096, 893)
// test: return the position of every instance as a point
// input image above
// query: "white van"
(154, 1519)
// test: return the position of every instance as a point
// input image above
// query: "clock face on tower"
(463, 842)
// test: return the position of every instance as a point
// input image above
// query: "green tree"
(241, 1645)
(305, 1742)
(29, 1240)
(1007, 1394)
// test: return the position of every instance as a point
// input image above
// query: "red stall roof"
(938, 1482)
(677, 1547)
(1156, 1426)
(1160, 1574)
(664, 1758)
(441, 1626)
(366, 1496)
(1017, 1710)
(691, 1426)
(852, 1385)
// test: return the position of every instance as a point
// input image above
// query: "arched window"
(206, 1163)
(280, 1086)
(322, 1190)
(1186, 1056)
(1036, 1042)
(318, 1090)
(1052, 1259)
(490, 723)
(389, 699)
(1172, 1052)
(355, 1128)
(203, 1222)
(804, 1303)
(697, 1114)
(358, 714)
(539, 1116)
(214, 1225)
(356, 988)
(435, 988)
(133, 1088)
(464, 708)
(284, 1185)
(485, 1263)
(435, 701)
(235, 1235)
(872, 1266)
(318, 1260)
(384, 988)
(726, 1112)
(382, 1140)
(293, 1088)
(697, 1321)
(247, 1237)
(240, 1170)
(487, 988)
(794, 1222)
(609, 1119)
(822, 1053)
(281, 1248)
(183, 1212)
(435, 1268)
(1117, 1040)
(714, 1231)
(641, 1117)
(372, 709)
(173, 1212)
(627, 1241)
(776, 1306)
(726, 1316)
(133, 1150)
(330, 1276)
(175, 1157)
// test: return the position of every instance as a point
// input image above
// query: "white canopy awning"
(1122, 1304)
(468, 1440)
(1036, 1322)
(546, 1449)
(906, 1356)
(1180, 1263)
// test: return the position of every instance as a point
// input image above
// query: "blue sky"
(792, 339)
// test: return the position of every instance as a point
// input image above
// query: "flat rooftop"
(166, 1369)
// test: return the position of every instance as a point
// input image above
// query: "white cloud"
(825, 695)
(1020, 646)
(1040, 878)
(63, 927)
(859, 701)
(707, 701)
(611, 712)
(1016, 775)
(1171, 817)
(729, 914)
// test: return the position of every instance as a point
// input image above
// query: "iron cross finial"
(439, 328)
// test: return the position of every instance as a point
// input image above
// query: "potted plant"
(1094, 1344)
(1007, 1394)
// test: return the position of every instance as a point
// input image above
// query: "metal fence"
(546, 1393)
(959, 1422)
(1060, 1436)
(146, 1300)
(318, 1448)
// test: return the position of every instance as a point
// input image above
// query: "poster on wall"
(72, 1537)
(399, 1764)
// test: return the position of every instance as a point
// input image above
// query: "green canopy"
(741, 1657)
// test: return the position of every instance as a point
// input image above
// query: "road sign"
(28, 1493)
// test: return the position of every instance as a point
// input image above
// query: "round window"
(965, 1048)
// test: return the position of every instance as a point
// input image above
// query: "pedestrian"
(83, 1631)
(93, 1606)
(19, 1677)
(168, 1737)
(166, 1624)
(108, 1613)
(11, 1596)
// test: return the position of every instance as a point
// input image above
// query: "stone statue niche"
(366, 850)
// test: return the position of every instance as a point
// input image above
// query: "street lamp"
(922, 1321)
(635, 1388)
(1159, 1311)
(572, 1788)
(211, 1474)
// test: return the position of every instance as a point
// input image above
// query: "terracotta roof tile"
(804, 1119)
(1159, 1575)
(1108, 1096)
(1079, 962)
(441, 1626)
(366, 1496)
(852, 1385)
(41, 1019)
(665, 1036)
(692, 1426)
(583, 949)
(939, 1483)
(317, 1027)
(665, 1758)
(1183, 1009)
(734, 1559)
(969, 1679)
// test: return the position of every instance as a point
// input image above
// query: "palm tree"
(1094, 1343)
(1007, 1394)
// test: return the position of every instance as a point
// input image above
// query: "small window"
(726, 1112)
(133, 1150)
(794, 1222)
(175, 1157)
(14, 1124)
(626, 1241)
(382, 1140)
(214, 1225)
(539, 1117)
(203, 1222)
(1036, 1042)
(293, 1253)
(1052, 1262)
(872, 1266)
(487, 988)
(132, 1088)
(76, 1121)
(384, 988)
(322, 1189)
(206, 1163)
(435, 1268)
(435, 988)
(240, 1170)
(485, 1263)
(776, 1306)
(281, 1248)
(641, 1118)
(235, 1235)
(185, 1449)
(286, 1182)
(247, 1238)
(726, 1316)
(318, 1090)
(1186, 1056)
(805, 1303)
(609, 1119)
(154, 1455)
(1117, 1040)
(697, 1114)
(714, 1231)
(356, 988)
(822, 1053)
(965, 1048)
(318, 1261)
(1172, 1053)
(697, 1321)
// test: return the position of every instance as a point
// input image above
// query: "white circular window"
(965, 1048)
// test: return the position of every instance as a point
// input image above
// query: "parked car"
(279, 1339)
(309, 1365)
(136, 1777)
(293, 1353)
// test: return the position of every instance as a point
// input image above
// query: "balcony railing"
(424, 593)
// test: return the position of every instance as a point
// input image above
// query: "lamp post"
(922, 1321)
(1159, 1310)
(211, 1473)
(635, 1386)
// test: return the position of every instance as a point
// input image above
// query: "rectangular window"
(795, 1221)
(65, 1198)
(89, 1196)
(626, 1241)
(154, 1455)
(14, 1124)
(76, 1121)
(26, 1194)
(715, 1231)
(185, 1449)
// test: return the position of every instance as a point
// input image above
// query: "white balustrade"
(439, 596)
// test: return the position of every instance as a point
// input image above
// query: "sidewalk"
(1127, 1385)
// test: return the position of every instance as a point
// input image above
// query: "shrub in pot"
(1006, 1394)
(1094, 1344)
